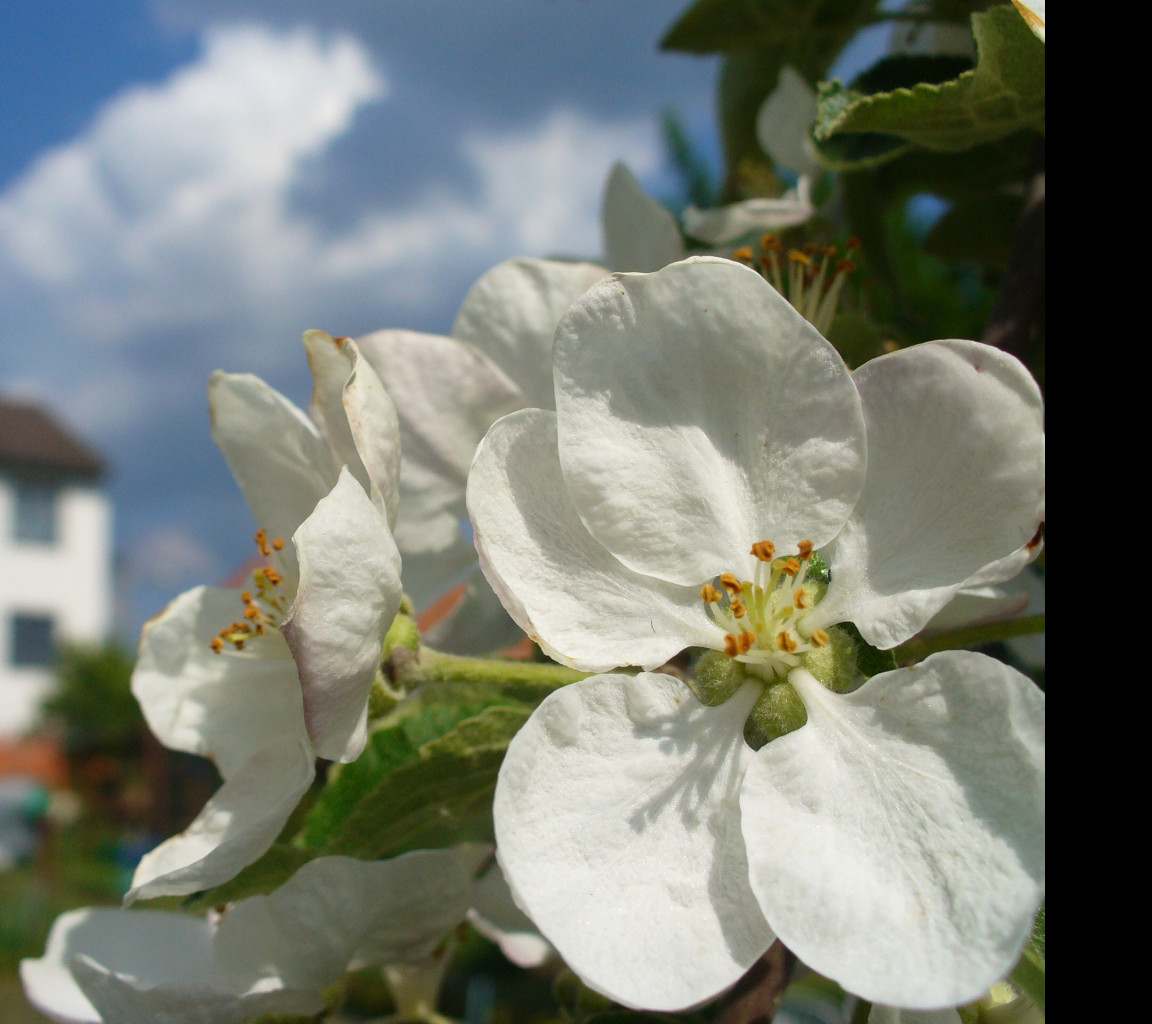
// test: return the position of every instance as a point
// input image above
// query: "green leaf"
(442, 798)
(1028, 976)
(856, 337)
(388, 749)
(1002, 95)
(749, 74)
(270, 872)
(714, 26)
(977, 231)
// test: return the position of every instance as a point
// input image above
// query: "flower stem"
(426, 665)
(968, 636)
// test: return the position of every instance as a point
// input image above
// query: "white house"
(55, 555)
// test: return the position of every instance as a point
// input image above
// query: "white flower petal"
(639, 233)
(225, 706)
(699, 413)
(784, 122)
(357, 417)
(510, 315)
(728, 223)
(494, 915)
(338, 914)
(618, 829)
(430, 575)
(349, 593)
(477, 625)
(562, 587)
(236, 826)
(277, 456)
(122, 999)
(896, 841)
(447, 396)
(149, 944)
(975, 605)
(955, 482)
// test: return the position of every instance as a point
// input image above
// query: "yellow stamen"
(278, 544)
(217, 644)
(800, 599)
(765, 550)
(730, 583)
(710, 594)
(820, 638)
(745, 641)
(790, 566)
(785, 642)
(743, 255)
(739, 608)
(805, 549)
(731, 647)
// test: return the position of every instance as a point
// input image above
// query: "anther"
(272, 576)
(771, 243)
(785, 642)
(730, 583)
(796, 256)
(745, 641)
(743, 255)
(739, 608)
(800, 598)
(805, 547)
(731, 645)
(710, 594)
(217, 644)
(820, 638)
(790, 566)
(278, 544)
(262, 542)
(852, 243)
(246, 596)
(765, 550)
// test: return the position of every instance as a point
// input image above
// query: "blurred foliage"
(92, 700)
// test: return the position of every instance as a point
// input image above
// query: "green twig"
(968, 636)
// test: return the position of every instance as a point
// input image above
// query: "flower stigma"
(264, 608)
(763, 618)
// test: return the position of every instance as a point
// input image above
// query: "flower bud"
(717, 678)
(779, 710)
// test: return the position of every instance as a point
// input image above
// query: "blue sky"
(190, 184)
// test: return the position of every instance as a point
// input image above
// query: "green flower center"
(764, 618)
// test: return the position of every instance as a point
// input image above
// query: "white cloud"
(168, 238)
(167, 556)
(174, 212)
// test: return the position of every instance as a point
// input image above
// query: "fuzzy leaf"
(441, 798)
(1002, 95)
(711, 26)
(388, 749)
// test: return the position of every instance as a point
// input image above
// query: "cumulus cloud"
(175, 235)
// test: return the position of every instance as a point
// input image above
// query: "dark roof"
(31, 439)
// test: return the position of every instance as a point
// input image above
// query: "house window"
(33, 644)
(35, 519)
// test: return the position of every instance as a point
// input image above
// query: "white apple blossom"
(265, 679)
(449, 390)
(265, 954)
(702, 426)
(641, 235)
